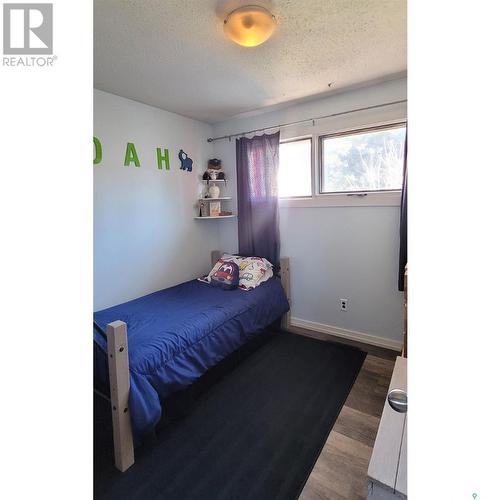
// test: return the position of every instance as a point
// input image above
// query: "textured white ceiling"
(173, 54)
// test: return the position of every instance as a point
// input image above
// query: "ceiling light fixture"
(250, 25)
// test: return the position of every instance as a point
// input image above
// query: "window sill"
(384, 199)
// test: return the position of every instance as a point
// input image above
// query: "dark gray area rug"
(255, 434)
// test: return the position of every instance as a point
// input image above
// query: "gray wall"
(145, 237)
(335, 251)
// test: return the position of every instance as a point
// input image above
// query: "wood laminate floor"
(340, 472)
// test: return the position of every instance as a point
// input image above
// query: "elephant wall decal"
(186, 162)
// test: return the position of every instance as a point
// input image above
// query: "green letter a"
(131, 155)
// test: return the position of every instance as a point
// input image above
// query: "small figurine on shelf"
(214, 191)
(214, 171)
(204, 209)
(214, 164)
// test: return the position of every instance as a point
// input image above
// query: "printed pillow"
(249, 264)
(226, 276)
(269, 271)
(253, 271)
(231, 258)
(240, 258)
(221, 261)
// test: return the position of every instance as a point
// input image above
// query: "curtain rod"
(212, 139)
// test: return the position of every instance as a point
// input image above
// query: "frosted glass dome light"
(250, 25)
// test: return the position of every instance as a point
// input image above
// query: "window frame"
(357, 131)
(310, 138)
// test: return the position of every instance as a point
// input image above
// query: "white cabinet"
(387, 469)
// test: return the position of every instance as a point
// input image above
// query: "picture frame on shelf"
(215, 208)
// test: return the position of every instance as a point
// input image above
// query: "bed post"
(215, 255)
(119, 384)
(285, 281)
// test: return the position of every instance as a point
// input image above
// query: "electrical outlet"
(343, 304)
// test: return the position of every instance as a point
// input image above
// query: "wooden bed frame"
(119, 376)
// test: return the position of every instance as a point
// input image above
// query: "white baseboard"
(366, 338)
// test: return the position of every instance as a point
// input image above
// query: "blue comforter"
(175, 335)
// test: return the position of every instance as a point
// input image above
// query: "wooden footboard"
(119, 383)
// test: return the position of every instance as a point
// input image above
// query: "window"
(295, 169)
(364, 160)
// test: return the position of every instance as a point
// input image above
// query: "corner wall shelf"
(217, 217)
(222, 198)
(213, 208)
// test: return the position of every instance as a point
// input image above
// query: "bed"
(161, 343)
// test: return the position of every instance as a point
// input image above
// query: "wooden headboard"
(284, 275)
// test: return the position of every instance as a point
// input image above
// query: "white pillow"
(239, 258)
(253, 270)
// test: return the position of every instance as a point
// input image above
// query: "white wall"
(335, 252)
(145, 237)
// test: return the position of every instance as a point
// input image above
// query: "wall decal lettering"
(131, 155)
(186, 162)
(162, 158)
(97, 151)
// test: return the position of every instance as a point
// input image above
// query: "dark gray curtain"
(257, 163)
(403, 223)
